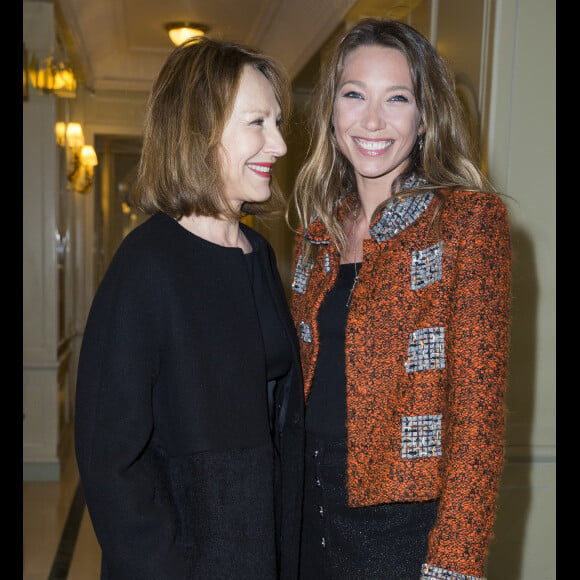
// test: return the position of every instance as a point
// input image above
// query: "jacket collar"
(399, 213)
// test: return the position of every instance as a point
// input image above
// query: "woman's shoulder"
(159, 224)
(466, 213)
(155, 245)
(461, 201)
(159, 231)
(462, 196)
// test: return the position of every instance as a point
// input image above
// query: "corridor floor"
(58, 538)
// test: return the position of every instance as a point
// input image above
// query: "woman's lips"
(261, 169)
(373, 147)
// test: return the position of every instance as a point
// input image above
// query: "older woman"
(189, 410)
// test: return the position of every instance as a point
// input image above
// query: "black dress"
(387, 541)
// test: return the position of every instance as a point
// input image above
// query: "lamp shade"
(89, 156)
(60, 132)
(74, 135)
(179, 32)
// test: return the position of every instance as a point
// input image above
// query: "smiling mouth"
(263, 170)
(373, 147)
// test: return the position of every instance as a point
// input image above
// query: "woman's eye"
(258, 122)
(352, 95)
(399, 98)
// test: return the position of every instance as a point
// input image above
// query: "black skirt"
(383, 542)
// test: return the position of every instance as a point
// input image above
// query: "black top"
(276, 346)
(326, 408)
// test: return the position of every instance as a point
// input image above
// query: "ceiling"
(122, 44)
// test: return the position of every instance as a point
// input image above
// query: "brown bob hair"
(191, 100)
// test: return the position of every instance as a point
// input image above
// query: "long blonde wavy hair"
(447, 158)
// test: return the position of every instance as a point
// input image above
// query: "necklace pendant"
(353, 242)
(353, 286)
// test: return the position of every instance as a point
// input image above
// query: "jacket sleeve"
(477, 358)
(123, 485)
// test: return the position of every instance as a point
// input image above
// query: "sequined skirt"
(384, 542)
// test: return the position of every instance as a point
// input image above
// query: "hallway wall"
(46, 356)
(522, 161)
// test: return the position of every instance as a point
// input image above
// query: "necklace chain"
(353, 236)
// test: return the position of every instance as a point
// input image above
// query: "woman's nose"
(374, 118)
(276, 144)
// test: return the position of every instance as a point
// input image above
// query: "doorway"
(114, 215)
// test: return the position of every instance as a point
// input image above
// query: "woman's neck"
(226, 233)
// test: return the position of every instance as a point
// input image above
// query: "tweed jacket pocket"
(421, 436)
(426, 350)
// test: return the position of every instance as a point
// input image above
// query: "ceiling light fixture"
(179, 32)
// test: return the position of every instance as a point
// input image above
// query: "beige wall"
(522, 160)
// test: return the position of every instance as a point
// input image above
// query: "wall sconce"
(179, 32)
(81, 158)
(53, 77)
(74, 137)
(60, 133)
(82, 175)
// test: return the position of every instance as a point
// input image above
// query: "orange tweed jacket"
(427, 343)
